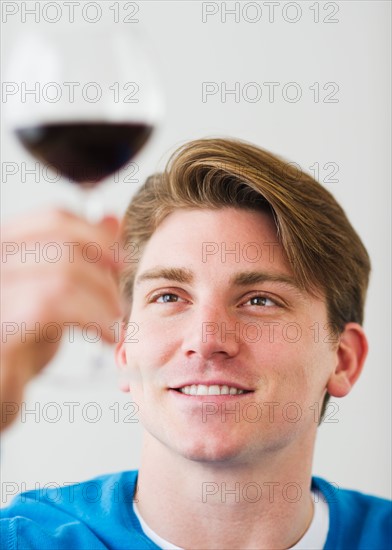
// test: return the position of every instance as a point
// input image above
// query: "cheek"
(297, 368)
(152, 346)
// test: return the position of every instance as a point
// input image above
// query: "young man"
(248, 295)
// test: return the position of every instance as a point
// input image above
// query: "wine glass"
(98, 103)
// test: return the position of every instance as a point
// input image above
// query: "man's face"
(217, 311)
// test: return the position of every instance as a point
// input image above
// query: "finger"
(40, 292)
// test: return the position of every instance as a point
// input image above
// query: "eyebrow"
(245, 278)
(175, 274)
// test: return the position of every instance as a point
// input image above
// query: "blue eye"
(167, 298)
(261, 301)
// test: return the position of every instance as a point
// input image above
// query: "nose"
(211, 331)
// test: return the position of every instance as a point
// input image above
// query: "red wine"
(82, 151)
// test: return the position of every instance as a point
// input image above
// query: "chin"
(212, 450)
(234, 448)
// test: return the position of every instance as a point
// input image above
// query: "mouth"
(211, 389)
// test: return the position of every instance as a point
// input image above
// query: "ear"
(351, 354)
(121, 361)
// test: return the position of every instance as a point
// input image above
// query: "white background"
(353, 449)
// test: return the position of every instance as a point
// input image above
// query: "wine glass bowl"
(98, 100)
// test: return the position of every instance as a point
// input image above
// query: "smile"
(201, 389)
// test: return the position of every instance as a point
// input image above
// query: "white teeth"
(214, 389)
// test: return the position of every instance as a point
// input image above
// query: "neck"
(264, 503)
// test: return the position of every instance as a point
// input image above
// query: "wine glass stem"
(93, 205)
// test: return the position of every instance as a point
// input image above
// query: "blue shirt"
(98, 515)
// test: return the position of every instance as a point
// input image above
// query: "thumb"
(111, 227)
(110, 224)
